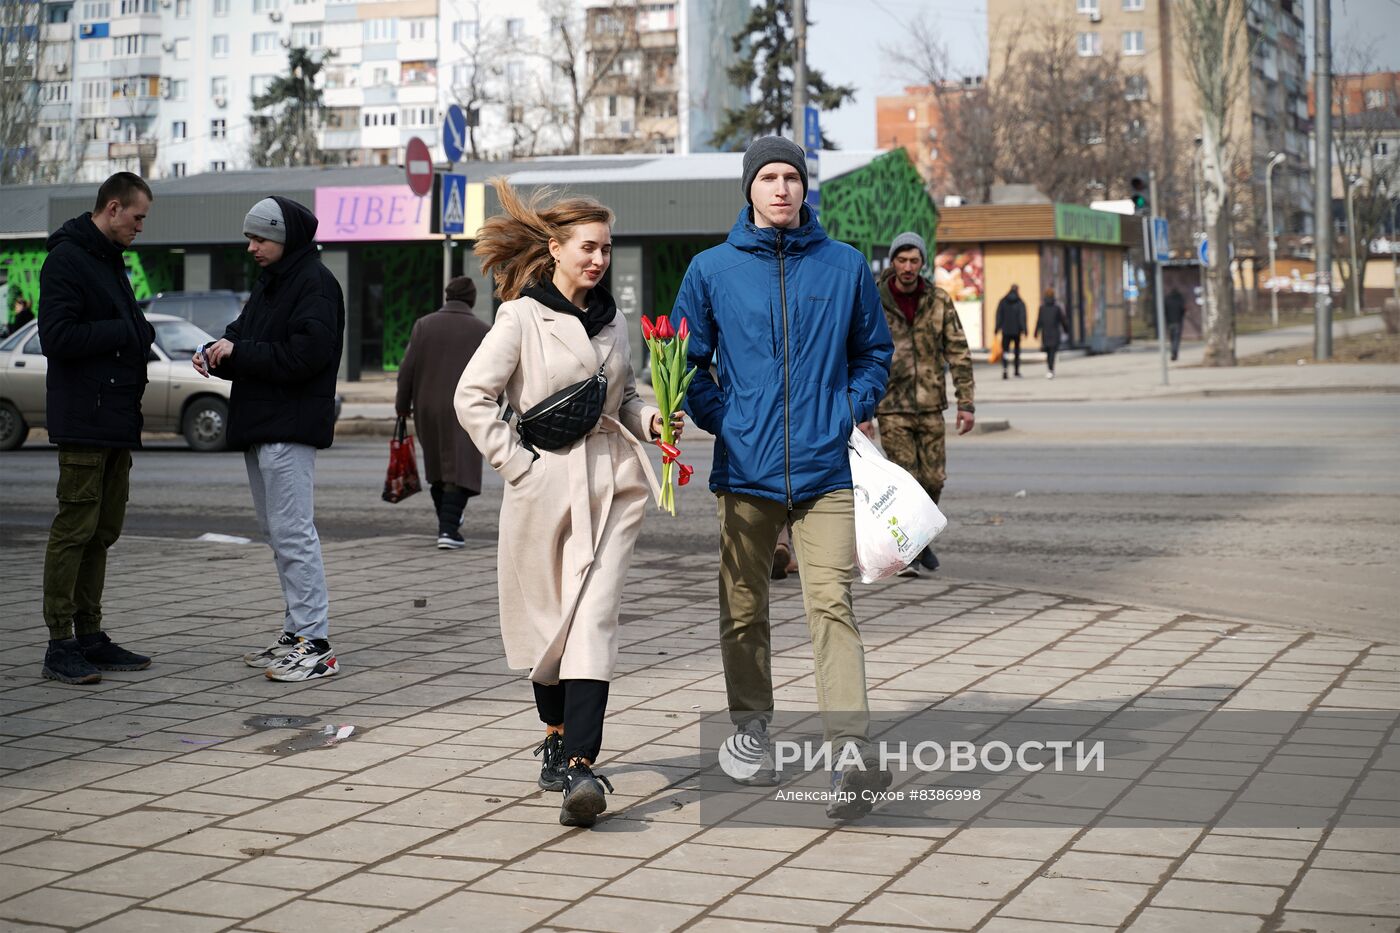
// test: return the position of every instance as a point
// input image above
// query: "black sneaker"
(928, 559)
(450, 541)
(849, 800)
(583, 796)
(106, 655)
(64, 662)
(552, 766)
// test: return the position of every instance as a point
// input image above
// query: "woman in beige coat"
(569, 516)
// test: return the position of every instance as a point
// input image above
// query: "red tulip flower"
(671, 373)
(664, 330)
(648, 329)
(683, 331)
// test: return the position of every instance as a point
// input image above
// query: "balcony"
(340, 139)
(135, 65)
(56, 32)
(381, 95)
(133, 106)
(144, 150)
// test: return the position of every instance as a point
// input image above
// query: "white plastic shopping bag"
(895, 518)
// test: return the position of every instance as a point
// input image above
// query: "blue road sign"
(454, 133)
(1161, 246)
(811, 130)
(454, 203)
(1203, 252)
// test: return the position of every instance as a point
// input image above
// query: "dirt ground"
(1364, 348)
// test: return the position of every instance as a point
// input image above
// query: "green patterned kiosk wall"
(868, 207)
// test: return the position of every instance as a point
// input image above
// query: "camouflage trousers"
(916, 442)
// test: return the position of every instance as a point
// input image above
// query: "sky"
(848, 37)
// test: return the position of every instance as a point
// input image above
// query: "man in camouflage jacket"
(928, 338)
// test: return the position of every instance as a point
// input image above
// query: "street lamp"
(1275, 161)
(1352, 183)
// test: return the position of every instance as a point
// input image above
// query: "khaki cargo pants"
(824, 536)
(93, 484)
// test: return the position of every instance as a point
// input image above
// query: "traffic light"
(1137, 190)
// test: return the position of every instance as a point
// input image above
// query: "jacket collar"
(751, 238)
(887, 299)
(568, 330)
(456, 307)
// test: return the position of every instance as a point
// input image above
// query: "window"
(133, 7)
(1089, 44)
(1135, 87)
(381, 77)
(516, 114)
(1136, 131)
(220, 47)
(515, 28)
(462, 75)
(177, 170)
(218, 129)
(129, 45)
(182, 49)
(264, 43)
(307, 36)
(54, 92)
(464, 30)
(381, 118)
(218, 87)
(1133, 6)
(1133, 42)
(1376, 99)
(418, 116)
(53, 132)
(1381, 148)
(1087, 6)
(97, 9)
(612, 105)
(59, 14)
(221, 7)
(177, 130)
(381, 30)
(515, 73)
(219, 166)
(266, 6)
(179, 88)
(182, 11)
(417, 29)
(260, 84)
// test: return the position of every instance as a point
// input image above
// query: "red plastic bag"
(402, 479)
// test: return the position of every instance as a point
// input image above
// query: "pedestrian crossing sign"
(454, 203)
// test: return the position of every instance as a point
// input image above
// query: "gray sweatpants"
(282, 479)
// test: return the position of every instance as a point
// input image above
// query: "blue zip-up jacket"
(791, 321)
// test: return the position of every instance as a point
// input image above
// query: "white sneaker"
(272, 653)
(304, 662)
(1049, 375)
(911, 571)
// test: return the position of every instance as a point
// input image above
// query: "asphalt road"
(1274, 509)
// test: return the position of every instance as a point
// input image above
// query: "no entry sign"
(418, 164)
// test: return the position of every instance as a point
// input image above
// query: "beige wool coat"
(569, 520)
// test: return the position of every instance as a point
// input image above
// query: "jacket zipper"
(787, 439)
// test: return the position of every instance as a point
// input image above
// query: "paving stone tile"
(818, 885)
(434, 808)
(1345, 892)
(138, 829)
(620, 915)
(1258, 869)
(227, 843)
(159, 921)
(445, 869)
(490, 913)
(221, 899)
(1105, 867)
(77, 908)
(1165, 920)
(559, 887)
(794, 910)
(299, 816)
(16, 879)
(146, 874)
(1303, 922)
(275, 871)
(1074, 900)
(966, 876)
(359, 842)
(1207, 895)
(64, 856)
(271, 782)
(944, 913)
(863, 852)
(389, 891)
(167, 777)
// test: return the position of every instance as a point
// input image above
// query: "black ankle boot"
(106, 655)
(552, 765)
(583, 796)
(64, 662)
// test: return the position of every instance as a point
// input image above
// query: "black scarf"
(600, 307)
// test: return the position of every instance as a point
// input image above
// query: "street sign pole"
(1156, 252)
(453, 206)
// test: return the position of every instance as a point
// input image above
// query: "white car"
(177, 399)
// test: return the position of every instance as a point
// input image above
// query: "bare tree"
(1218, 51)
(483, 71)
(1068, 124)
(585, 49)
(1362, 164)
(19, 90)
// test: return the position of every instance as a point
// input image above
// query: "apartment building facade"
(1146, 35)
(915, 120)
(165, 87)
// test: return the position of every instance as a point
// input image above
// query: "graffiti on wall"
(867, 208)
(149, 271)
(411, 275)
(669, 260)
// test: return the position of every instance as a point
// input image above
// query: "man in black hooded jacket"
(282, 355)
(96, 341)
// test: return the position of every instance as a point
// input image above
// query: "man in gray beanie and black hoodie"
(282, 355)
(792, 352)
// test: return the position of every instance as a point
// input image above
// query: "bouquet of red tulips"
(670, 377)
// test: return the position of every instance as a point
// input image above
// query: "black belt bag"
(565, 416)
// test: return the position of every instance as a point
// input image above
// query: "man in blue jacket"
(792, 324)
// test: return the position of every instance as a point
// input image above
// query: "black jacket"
(1011, 316)
(1051, 324)
(1174, 307)
(95, 337)
(286, 346)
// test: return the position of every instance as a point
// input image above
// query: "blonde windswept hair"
(514, 247)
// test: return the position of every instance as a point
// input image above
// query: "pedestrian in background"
(1011, 323)
(792, 321)
(282, 354)
(928, 341)
(439, 349)
(96, 340)
(1174, 308)
(23, 315)
(1050, 323)
(575, 496)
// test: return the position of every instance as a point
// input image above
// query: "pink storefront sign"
(384, 212)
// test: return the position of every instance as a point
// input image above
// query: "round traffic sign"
(418, 164)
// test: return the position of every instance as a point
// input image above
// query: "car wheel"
(206, 424)
(13, 429)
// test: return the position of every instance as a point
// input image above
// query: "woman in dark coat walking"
(438, 351)
(1049, 325)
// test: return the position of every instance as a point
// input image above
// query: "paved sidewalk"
(1131, 373)
(199, 796)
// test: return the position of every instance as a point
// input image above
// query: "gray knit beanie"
(265, 220)
(907, 239)
(768, 149)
